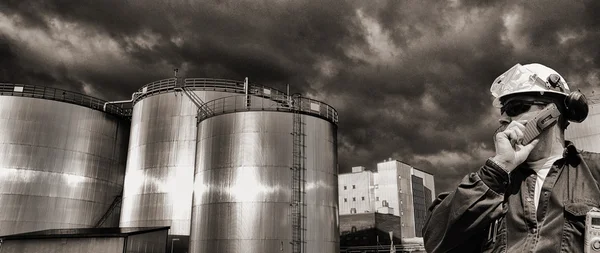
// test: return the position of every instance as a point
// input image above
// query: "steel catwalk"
(160, 164)
(242, 188)
(586, 135)
(61, 164)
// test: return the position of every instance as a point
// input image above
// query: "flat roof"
(422, 171)
(83, 233)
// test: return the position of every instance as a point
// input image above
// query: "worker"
(530, 196)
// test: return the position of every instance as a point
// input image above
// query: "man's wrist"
(494, 176)
(502, 165)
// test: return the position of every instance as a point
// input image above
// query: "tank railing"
(211, 84)
(319, 108)
(230, 85)
(33, 91)
(280, 101)
(159, 86)
(238, 103)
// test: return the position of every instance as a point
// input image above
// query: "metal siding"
(61, 165)
(152, 242)
(242, 184)
(160, 165)
(419, 204)
(407, 213)
(65, 245)
(586, 135)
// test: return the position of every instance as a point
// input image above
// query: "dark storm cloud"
(410, 81)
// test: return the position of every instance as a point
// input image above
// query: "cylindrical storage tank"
(586, 135)
(243, 182)
(162, 147)
(62, 159)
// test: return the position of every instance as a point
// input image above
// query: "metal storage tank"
(244, 185)
(62, 159)
(162, 147)
(586, 135)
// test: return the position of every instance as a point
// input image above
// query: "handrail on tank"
(33, 91)
(225, 85)
(239, 103)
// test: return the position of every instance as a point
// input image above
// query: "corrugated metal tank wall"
(586, 135)
(242, 189)
(160, 165)
(61, 164)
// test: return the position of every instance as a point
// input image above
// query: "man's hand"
(509, 154)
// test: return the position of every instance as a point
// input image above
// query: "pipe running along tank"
(62, 159)
(246, 190)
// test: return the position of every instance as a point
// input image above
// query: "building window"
(353, 186)
(363, 198)
(353, 199)
(353, 229)
(345, 200)
(344, 187)
(384, 203)
(376, 198)
(352, 210)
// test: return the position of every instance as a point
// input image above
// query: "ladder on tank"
(298, 204)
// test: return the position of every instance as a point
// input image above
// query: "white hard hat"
(531, 78)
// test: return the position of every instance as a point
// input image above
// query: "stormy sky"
(409, 78)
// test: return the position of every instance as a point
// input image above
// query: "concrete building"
(357, 191)
(396, 188)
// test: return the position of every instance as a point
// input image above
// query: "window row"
(363, 198)
(353, 187)
(354, 199)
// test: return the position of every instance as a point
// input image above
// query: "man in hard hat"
(530, 196)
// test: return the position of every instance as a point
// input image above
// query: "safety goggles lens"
(518, 107)
(516, 78)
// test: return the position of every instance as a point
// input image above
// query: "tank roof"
(280, 101)
(49, 93)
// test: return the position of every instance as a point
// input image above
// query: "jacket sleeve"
(457, 219)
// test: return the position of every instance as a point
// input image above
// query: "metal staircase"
(180, 86)
(197, 101)
(298, 204)
(116, 202)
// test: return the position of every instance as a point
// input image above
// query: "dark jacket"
(492, 212)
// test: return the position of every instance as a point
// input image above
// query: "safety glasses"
(515, 108)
